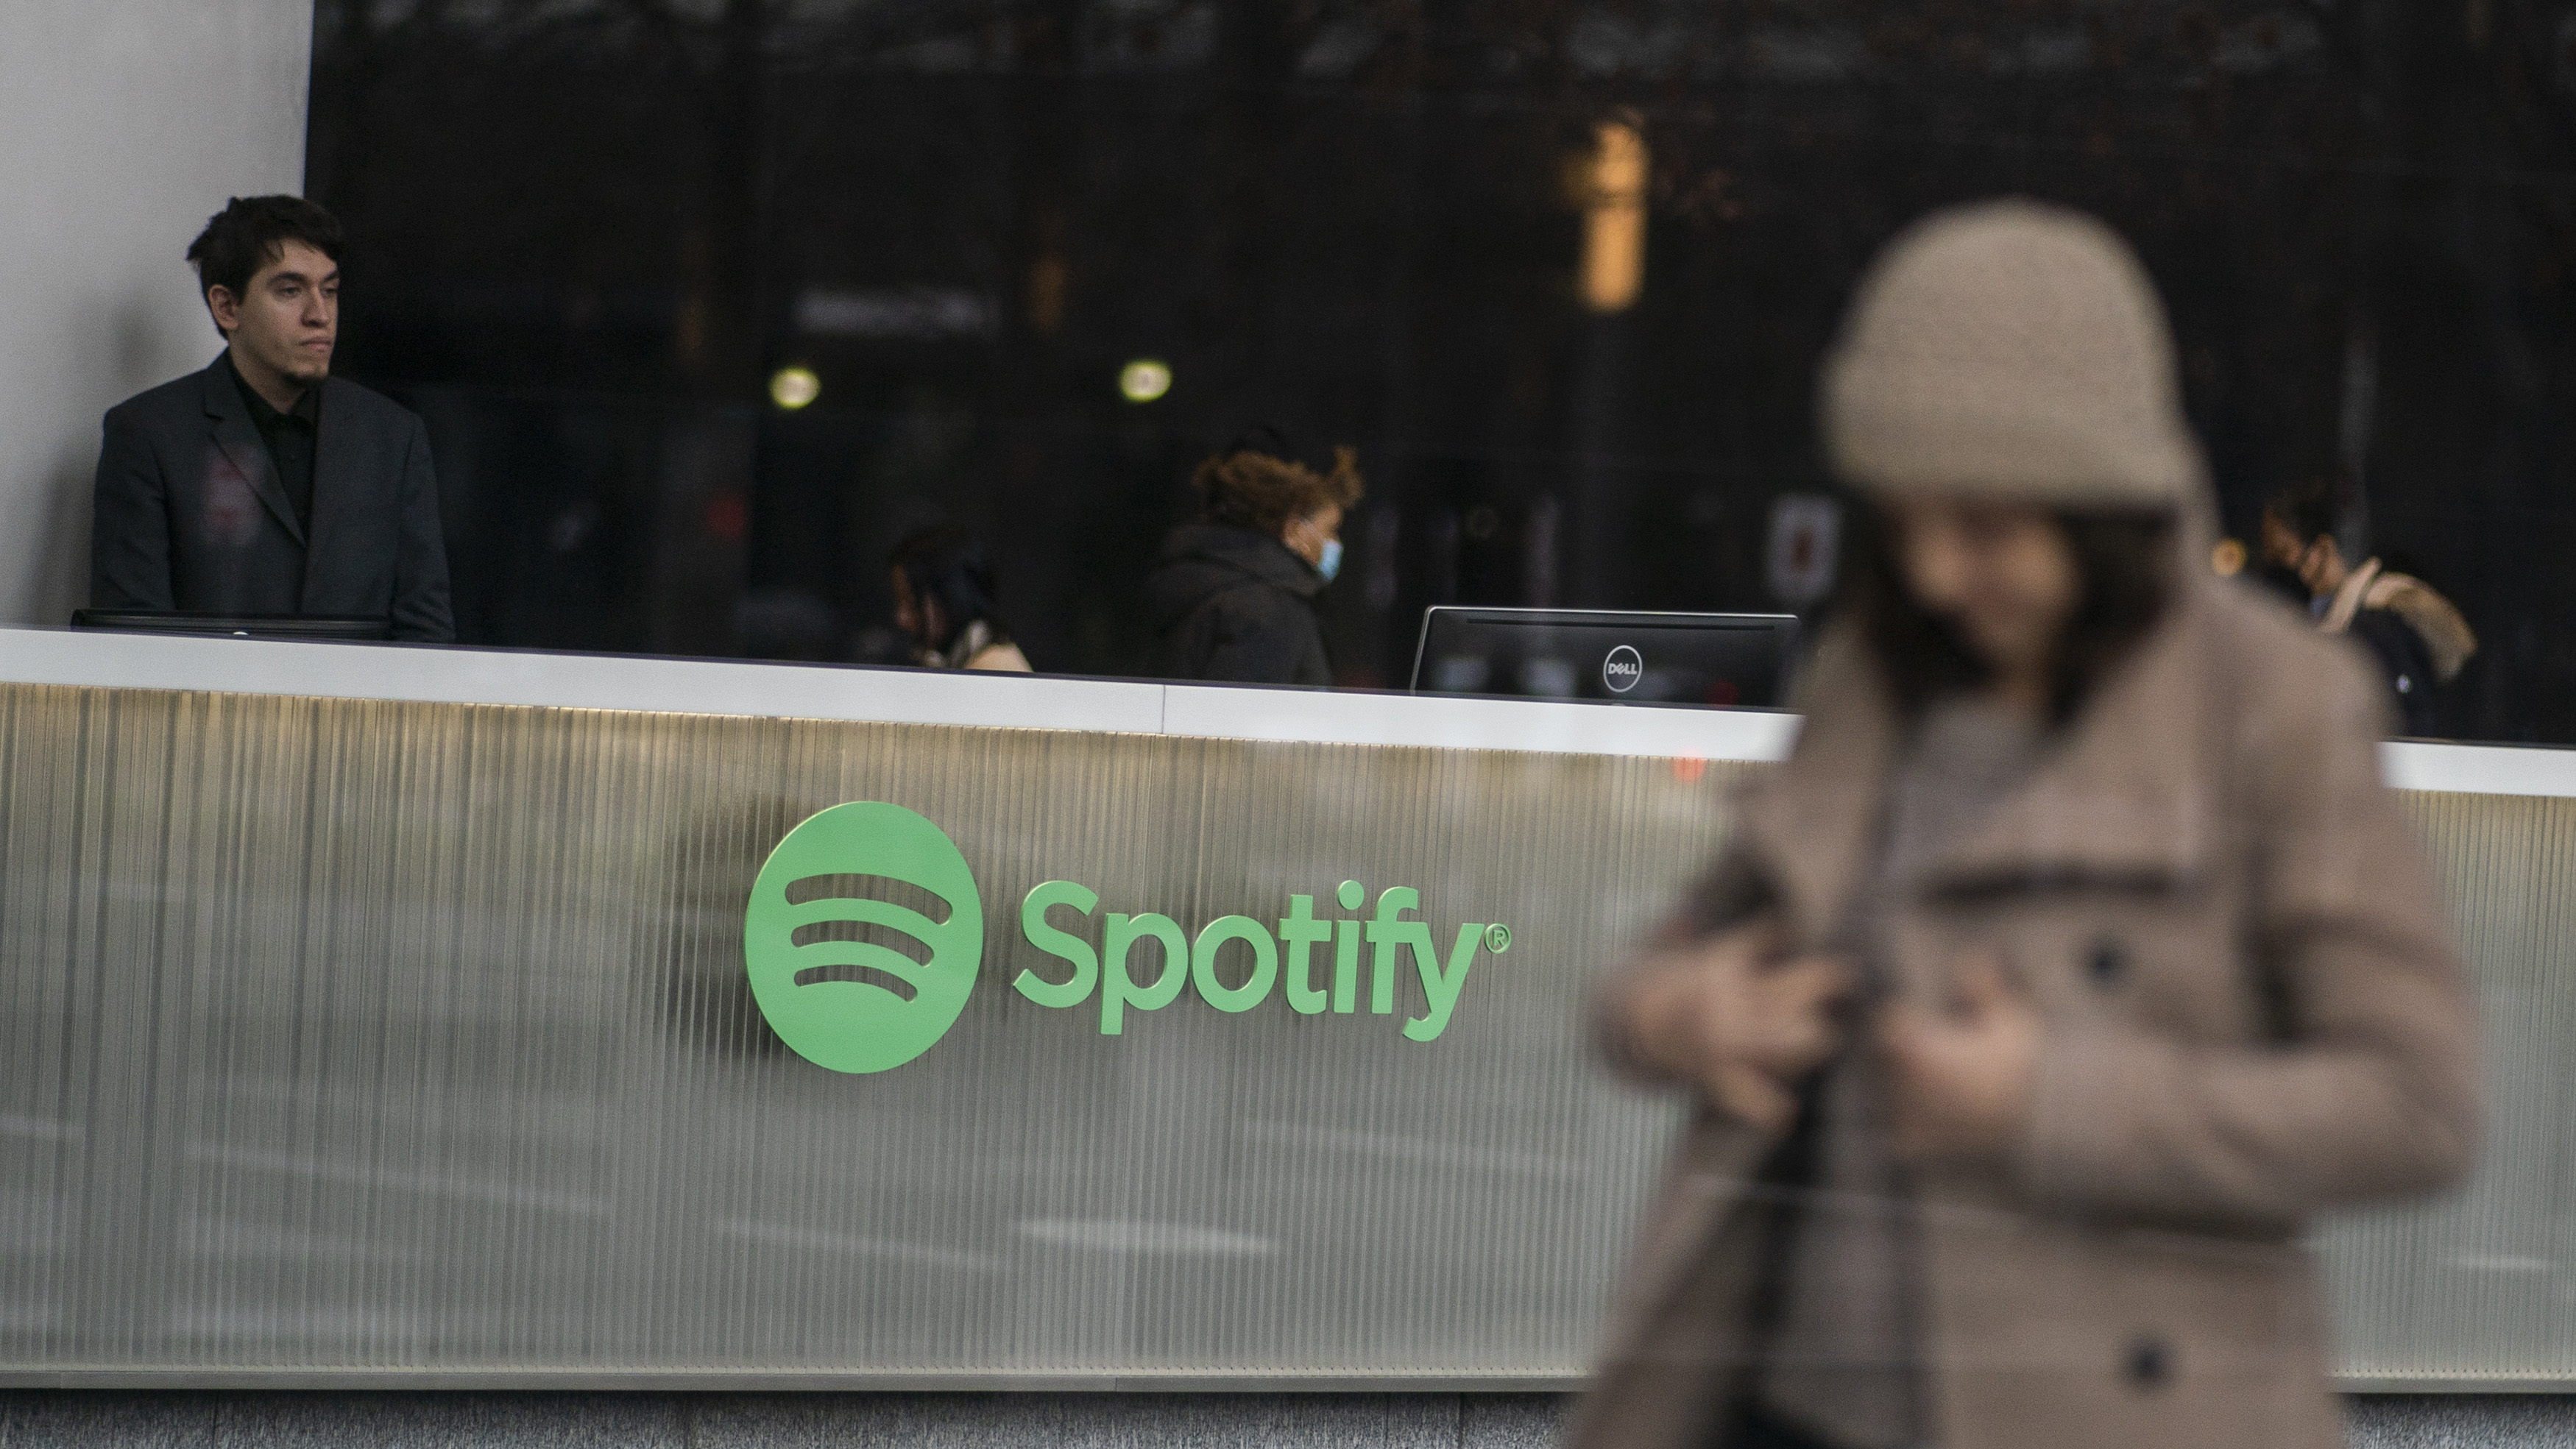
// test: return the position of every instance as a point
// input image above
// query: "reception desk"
(377, 1016)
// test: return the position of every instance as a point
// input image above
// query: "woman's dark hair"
(947, 563)
(2126, 562)
(251, 232)
(2308, 510)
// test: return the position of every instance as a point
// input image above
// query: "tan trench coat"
(2254, 1014)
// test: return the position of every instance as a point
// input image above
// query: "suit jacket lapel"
(238, 437)
(335, 463)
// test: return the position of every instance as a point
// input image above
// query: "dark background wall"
(586, 234)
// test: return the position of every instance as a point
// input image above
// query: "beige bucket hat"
(2010, 349)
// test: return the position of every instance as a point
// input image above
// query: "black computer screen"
(245, 626)
(1703, 659)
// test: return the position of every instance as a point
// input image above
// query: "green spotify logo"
(864, 936)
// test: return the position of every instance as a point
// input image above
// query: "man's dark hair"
(251, 232)
(2307, 510)
(2126, 562)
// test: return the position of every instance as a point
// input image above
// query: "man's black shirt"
(290, 437)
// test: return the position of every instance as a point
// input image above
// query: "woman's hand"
(1734, 1019)
(1959, 1082)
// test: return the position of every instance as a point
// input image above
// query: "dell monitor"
(1604, 655)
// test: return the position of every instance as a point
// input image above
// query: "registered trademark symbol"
(1498, 938)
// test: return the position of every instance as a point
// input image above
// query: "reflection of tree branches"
(1524, 47)
(2163, 77)
(2214, 82)
(1285, 186)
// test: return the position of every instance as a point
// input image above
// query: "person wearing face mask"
(1234, 597)
(2073, 964)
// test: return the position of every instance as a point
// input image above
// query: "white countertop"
(930, 696)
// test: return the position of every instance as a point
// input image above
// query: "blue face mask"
(1331, 563)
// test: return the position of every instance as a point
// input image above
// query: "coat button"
(2150, 1364)
(2107, 964)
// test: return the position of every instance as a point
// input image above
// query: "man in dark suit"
(263, 485)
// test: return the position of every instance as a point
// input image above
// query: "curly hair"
(1258, 490)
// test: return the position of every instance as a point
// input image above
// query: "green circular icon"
(863, 937)
(1498, 938)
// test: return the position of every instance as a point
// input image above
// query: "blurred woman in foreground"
(2072, 964)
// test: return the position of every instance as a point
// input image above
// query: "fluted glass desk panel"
(350, 1041)
(352, 1036)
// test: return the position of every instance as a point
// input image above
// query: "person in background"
(2075, 961)
(2419, 639)
(1234, 598)
(264, 485)
(943, 598)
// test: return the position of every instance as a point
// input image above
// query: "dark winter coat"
(1235, 605)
